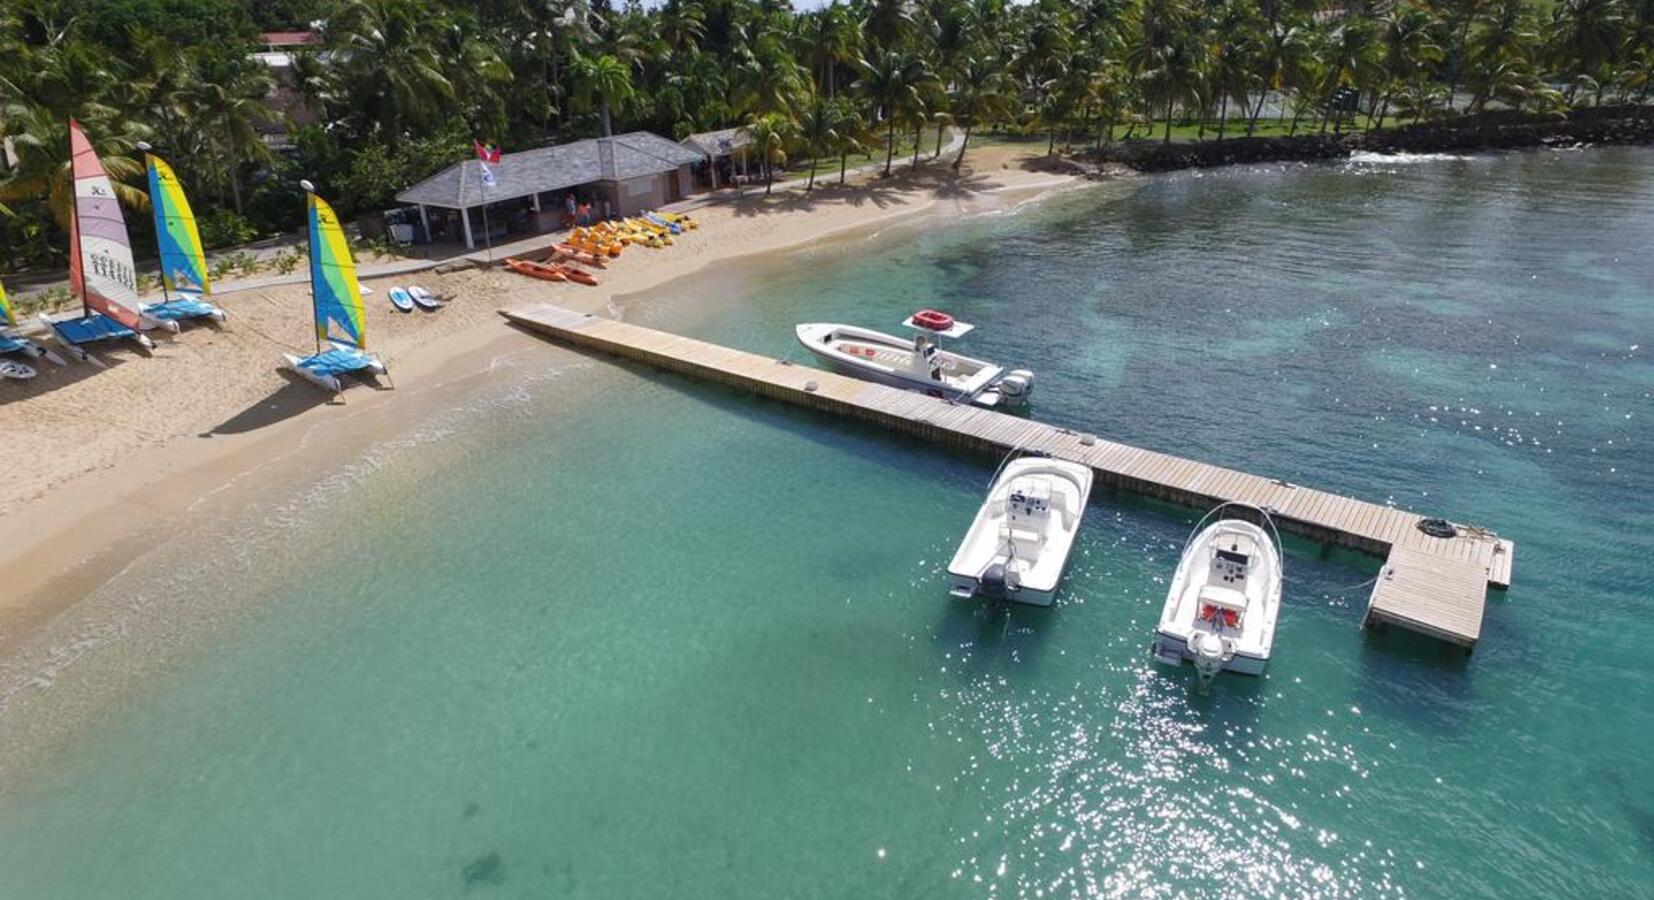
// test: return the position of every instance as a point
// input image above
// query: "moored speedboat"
(1018, 545)
(918, 363)
(1225, 596)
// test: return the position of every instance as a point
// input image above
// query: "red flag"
(486, 152)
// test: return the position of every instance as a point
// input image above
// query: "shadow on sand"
(292, 398)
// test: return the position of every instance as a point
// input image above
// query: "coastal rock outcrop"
(1500, 130)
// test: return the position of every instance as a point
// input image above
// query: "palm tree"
(603, 81)
(40, 142)
(1501, 54)
(851, 135)
(1163, 55)
(1409, 48)
(229, 115)
(820, 128)
(770, 135)
(891, 83)
(1587, 36)
(887, 23)
(830, 36)
(386, 55)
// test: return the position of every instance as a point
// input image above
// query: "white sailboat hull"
(1015, 549)
(1219, 614)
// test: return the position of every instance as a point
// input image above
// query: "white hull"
(1225, 597)
(875, 356)
(329, 383)
(1018, 545)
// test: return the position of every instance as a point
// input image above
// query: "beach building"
(721, 152)
(616, 176)
(279, 50)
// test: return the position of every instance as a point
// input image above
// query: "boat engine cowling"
(999, 582)
(1208, 652)
(1015, 387)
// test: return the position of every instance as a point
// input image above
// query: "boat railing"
(1268, 521)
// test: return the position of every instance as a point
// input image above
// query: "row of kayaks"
(589, 247)
(652, 229)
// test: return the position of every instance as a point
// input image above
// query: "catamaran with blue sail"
(336, 300)
(101, 271)
(12, 343)
(183, 262)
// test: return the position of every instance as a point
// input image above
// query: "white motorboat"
(918, 363)
(1018, 545)
(1220, 612)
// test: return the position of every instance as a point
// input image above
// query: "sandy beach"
(94, 456)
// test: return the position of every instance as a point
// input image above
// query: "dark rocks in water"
(1500, 130)
(486, 869)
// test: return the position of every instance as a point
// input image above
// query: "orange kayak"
(577, 255)
(537, 270)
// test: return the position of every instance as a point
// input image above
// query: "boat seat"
(1223, 597)
(1009, 532)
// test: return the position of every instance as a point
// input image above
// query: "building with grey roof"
(720, 147)
(621, 175)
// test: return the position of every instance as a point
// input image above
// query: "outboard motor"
(1208, 651)
(1015, 387)
(999, 582)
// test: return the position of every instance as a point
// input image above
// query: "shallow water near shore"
(606, 633)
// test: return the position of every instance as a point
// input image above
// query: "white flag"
(487, 175)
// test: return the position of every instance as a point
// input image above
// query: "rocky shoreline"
(1503, 130)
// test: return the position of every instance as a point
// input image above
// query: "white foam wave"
(1369, 158)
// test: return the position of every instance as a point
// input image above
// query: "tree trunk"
(1383, 110)
(1168, 138)
(1051, 148)
(769, 176)
(1223, 116)
(939, 127)
(918, 137)
(958, 160)
(811, 184)
(890, 146)
(607, 130)
(842, 159)
(830, 88)
(235, 185)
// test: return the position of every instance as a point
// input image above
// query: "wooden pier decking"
(1436, 586)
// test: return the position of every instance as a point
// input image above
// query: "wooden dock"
(1436, 586)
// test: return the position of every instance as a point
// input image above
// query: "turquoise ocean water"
(597, 632)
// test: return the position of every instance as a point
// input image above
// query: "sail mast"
(310, 232)
(154, 201)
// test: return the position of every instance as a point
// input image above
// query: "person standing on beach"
(569, 208)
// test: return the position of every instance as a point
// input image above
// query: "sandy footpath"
(88, 451)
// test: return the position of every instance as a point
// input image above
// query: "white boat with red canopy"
(1225, 597)
(917, 363)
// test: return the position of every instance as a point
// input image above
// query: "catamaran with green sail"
(183, 261)
(14, 344)
(336, 301)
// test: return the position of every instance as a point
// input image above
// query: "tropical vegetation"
(393, 89)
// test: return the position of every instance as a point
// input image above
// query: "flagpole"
(487, 233)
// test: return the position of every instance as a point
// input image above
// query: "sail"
(100, 263)
(183, 263)
(7, 317)
(333, 279)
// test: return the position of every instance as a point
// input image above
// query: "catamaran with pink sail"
(101, 271)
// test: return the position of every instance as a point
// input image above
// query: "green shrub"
(223, 228)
